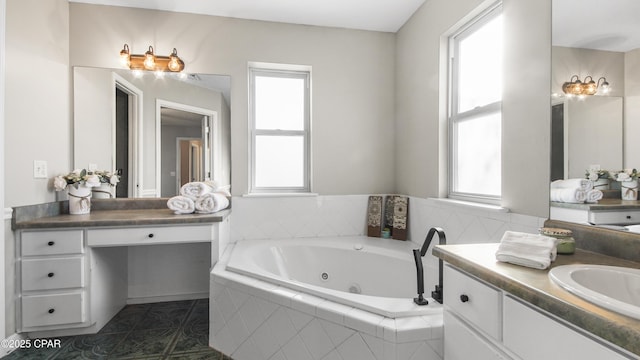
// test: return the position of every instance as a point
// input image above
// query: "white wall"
(37, 112)
(4, 236)
(352, 85)
(421, 101)
(632, 109)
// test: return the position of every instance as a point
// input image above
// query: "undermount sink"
(612, 287)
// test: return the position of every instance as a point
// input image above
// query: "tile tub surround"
(167, 330)
(252, 319)
(535, 287)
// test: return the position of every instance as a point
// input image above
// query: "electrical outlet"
(39, 169)
(93, 167)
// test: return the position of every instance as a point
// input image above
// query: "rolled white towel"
(530, 250)
(196, 189)
(211, 202)
(568, 195)
(593, 196)
(582, 184)
(181, 205)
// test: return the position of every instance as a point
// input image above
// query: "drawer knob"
(150, 235)
(464, 298)
(51, 311)
(628, 216)
(50, 274)
(51, 243)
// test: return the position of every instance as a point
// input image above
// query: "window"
(280, 130)
(476, 109)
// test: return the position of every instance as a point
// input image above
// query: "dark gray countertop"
(601, 205)
(108, 212)
(535, 287)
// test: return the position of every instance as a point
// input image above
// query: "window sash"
(475, 114)
(304, 133)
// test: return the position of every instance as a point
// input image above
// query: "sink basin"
(612, 287)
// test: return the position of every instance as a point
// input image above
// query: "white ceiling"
(612, 25)
(376, 15)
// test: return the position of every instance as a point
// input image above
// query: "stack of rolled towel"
(574, 191)
(202, 197)
(530, 250)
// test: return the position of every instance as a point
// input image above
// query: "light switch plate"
(39, 169)
(93, 167)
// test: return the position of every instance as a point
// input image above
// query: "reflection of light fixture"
(150, 61)
(587, 87)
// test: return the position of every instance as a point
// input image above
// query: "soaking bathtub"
(350, 295)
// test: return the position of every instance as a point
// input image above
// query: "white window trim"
(454, 117)
(297, 71)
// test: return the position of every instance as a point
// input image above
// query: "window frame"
(455, 117)
(295, 72)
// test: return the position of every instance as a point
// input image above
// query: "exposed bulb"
(149, 59)
(125, 59)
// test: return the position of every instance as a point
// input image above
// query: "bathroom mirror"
(157, 131)
(608, 47)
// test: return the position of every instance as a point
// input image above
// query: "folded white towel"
(211, 202)
(568, 195)
(196, 189)
(593, 196)
(181, 205)
(531, 250)
(582, 184)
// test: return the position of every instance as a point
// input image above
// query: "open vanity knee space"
(75, 272)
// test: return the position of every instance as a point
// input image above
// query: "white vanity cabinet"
(53, 272)
(73, 280)
(482, 322)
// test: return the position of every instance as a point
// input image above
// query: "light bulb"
(149, 59)
(125, 59)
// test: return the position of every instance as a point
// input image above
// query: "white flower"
(593, 176)
(623, 176)
(77, 172)
(59, 183)
(92, 181)
(114, 180)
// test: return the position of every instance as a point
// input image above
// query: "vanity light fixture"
(575, 87)
(150, 61)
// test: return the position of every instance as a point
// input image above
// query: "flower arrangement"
(107, 177)
(594, 175)
(82, 177)
(625, 175)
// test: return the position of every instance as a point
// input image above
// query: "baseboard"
(6, 349)
(163, 298)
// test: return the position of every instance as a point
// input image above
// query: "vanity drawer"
(52, 273)
(149, 235)
(34, 243)
(54, 309)
(474, 301)
(618, 217)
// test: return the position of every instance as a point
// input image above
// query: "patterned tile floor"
(168, 330)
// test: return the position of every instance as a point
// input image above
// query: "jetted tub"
(373, 274)
(321, 298)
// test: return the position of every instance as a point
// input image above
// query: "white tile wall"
(345, 215)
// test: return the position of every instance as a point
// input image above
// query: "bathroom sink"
(612, 287)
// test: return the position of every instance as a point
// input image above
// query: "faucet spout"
(417, 256)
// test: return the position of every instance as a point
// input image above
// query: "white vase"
(629, 190)
(104, 191)
(79, 199)
(601, 184)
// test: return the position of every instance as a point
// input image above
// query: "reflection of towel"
(211, 202)
(181, 205)
(582, 184)
(196, 189)
(568, 195)
(531, 250)
(593, 196)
